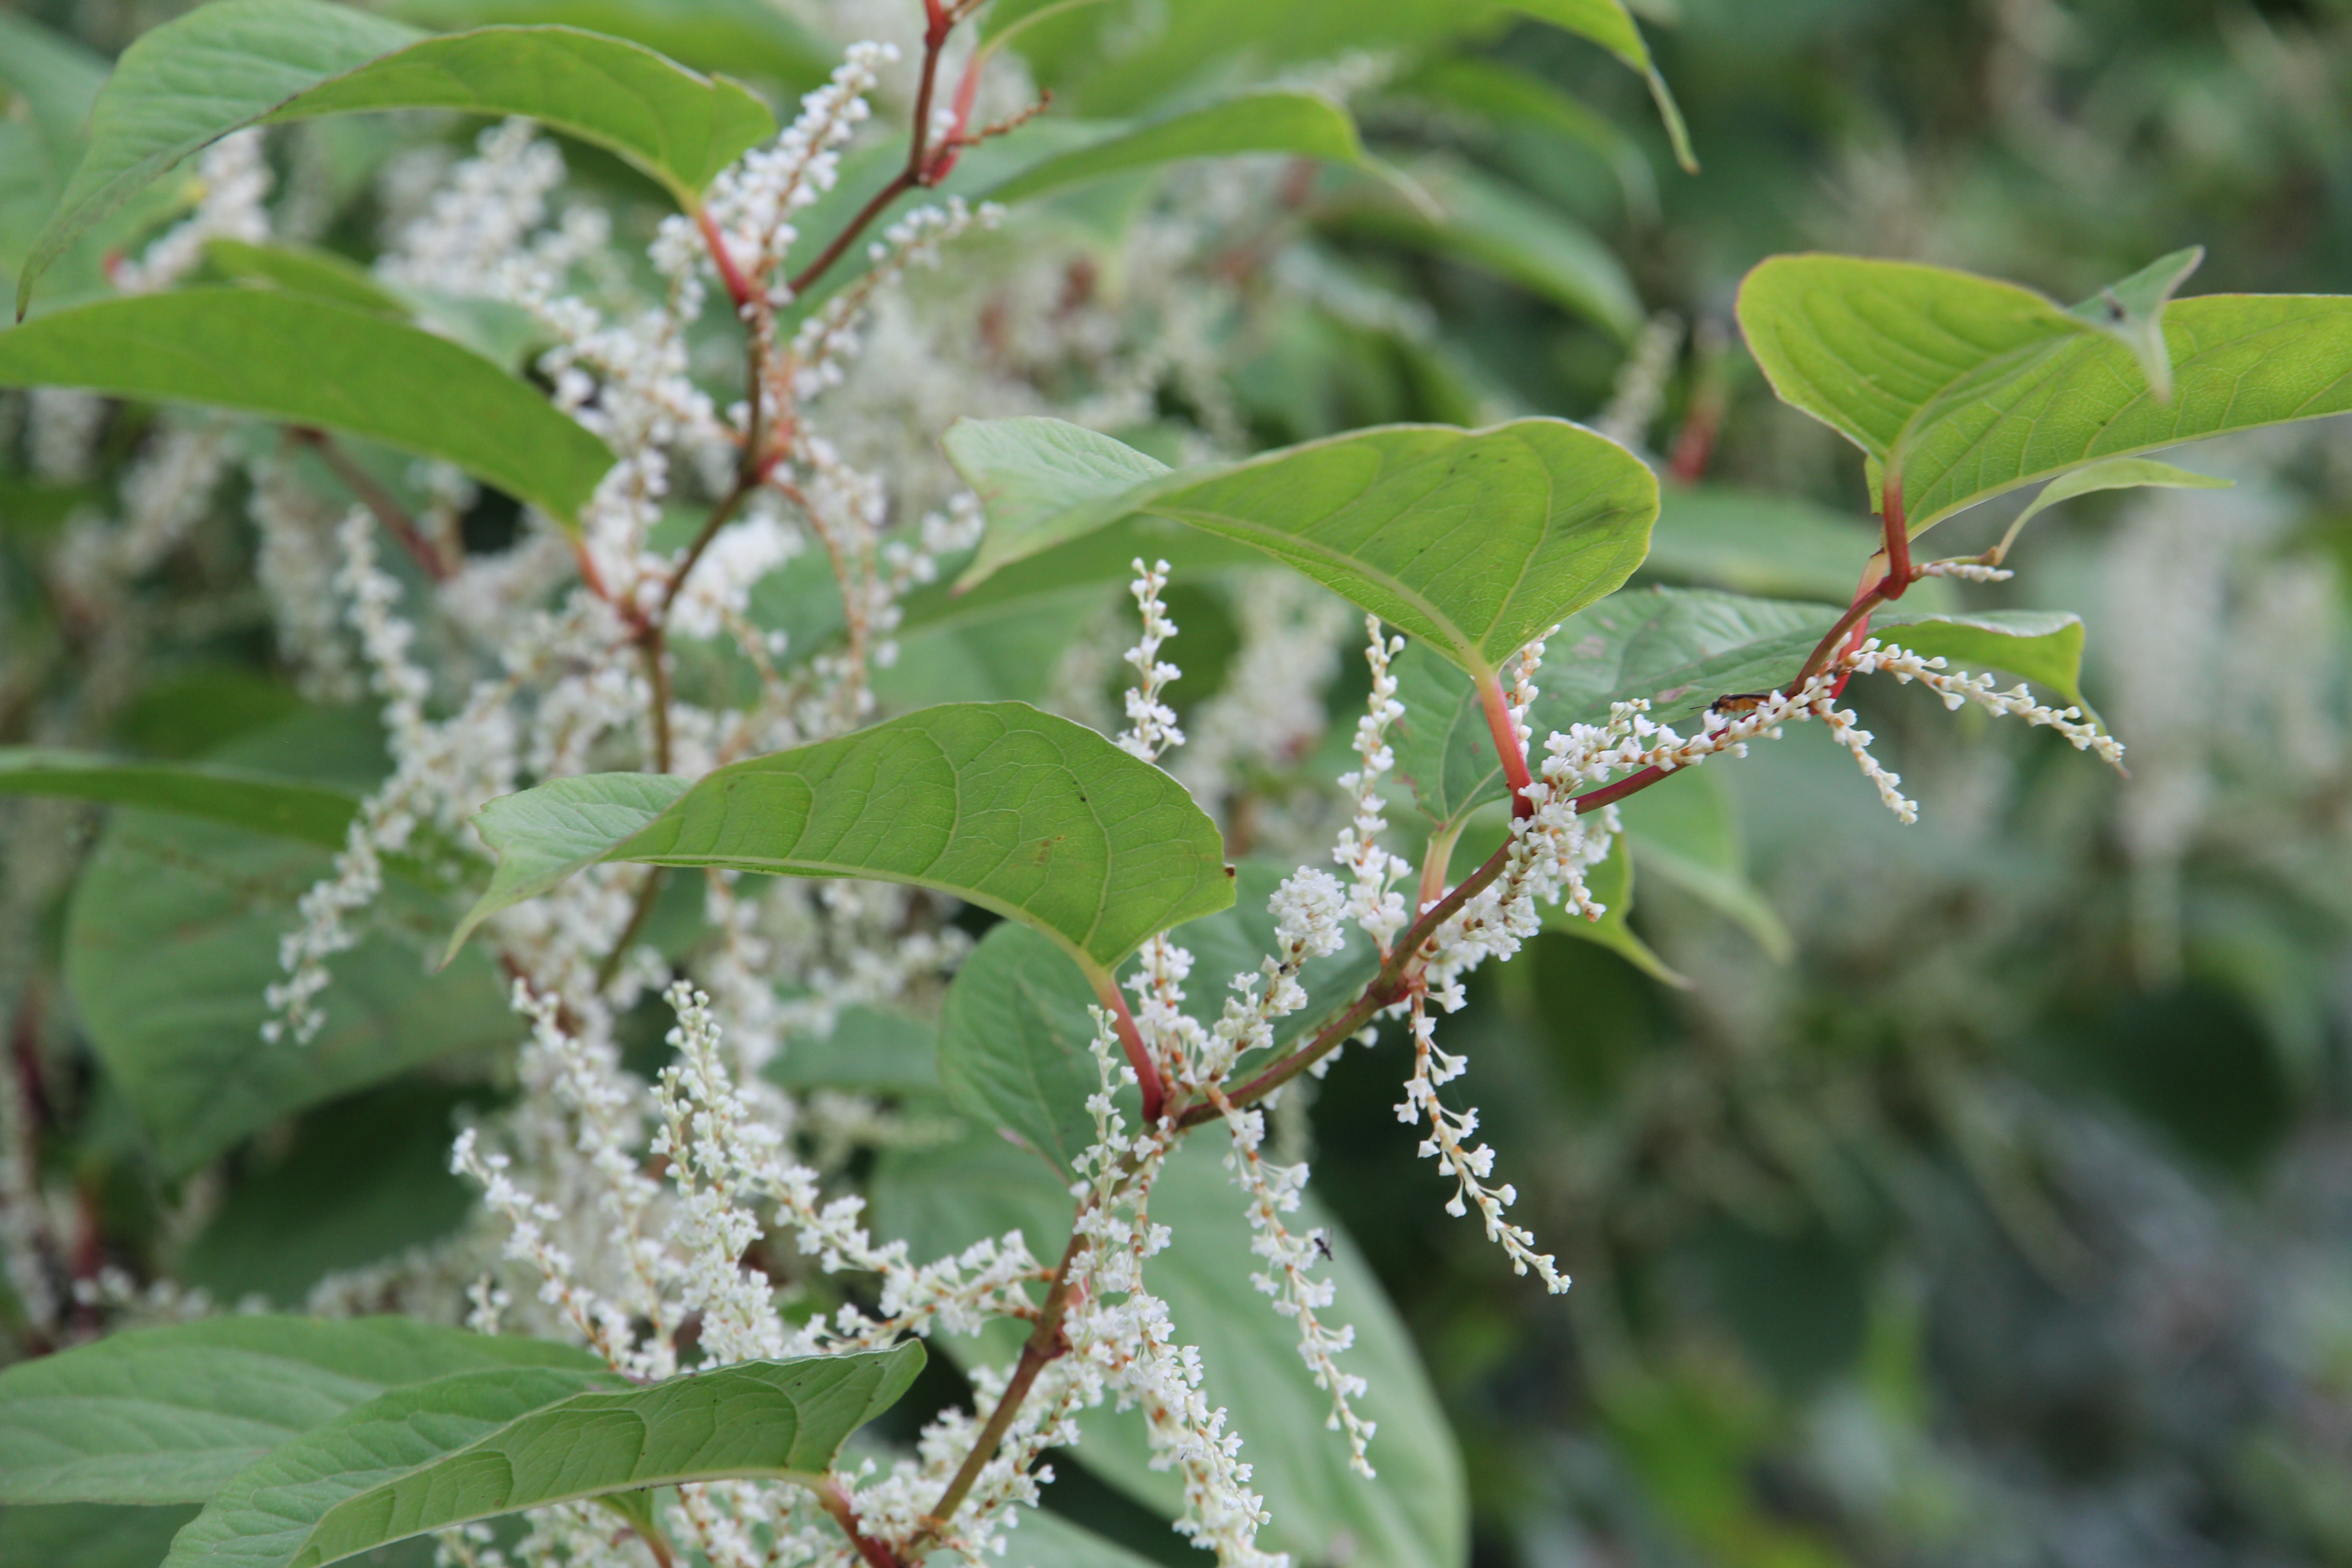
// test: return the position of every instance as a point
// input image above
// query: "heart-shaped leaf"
(1961, 387)
(1015, 810)
(1680, 649)
(1473, 542)
(235, 63)
(483, 1444)
(312, 362)
(1302, 125)
(741, 37)
(167, 1415)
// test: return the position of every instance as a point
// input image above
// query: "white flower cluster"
(1450, 1132)
(1373, 899)
(1122, 1337)
(750, 204)
(1151, 723)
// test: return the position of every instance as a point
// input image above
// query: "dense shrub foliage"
(730, 729)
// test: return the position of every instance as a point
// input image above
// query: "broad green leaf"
(1013, 654)
(172, 937)
(2114, 474)
(1303, 124)
(312, 362)
(193, 81)
(542, 835)
(678, 127)
(264, 1513)
(1037, 474)
(1964, 387)
(158, 1415)
(1043, 1540)
(365, 1180)
(1610, 24)
(1450, 208)
(1686, 832)
(302, 269)
(1014, 1044)
(1015, 810)
(1475, 540)
(2132, 312)
(89, 1535)
(741, 37)
(872, 1049)
(1680, 649)
(1712, 536)
(1414, 1515)
(288, 808)
(484, 1444)
(235, 63)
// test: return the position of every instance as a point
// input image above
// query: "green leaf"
(1015, 810)
(1713, 536)
(89, 1535)
(1686, 832)
(483, 1444)
(1302, 125)
(1015, 1039)
(1680, 649)
(872, 1049)
(1414, 1516)
(314, 362)
(676, 126)
(235, 63)
(1965, 387)
(288, 808)
(2132, 312)
(168, 1414)
(1450, 208)
(1610, 24)
(2114, 474)
(193, 80)
(1475, 540)
(1043, 1540)
(741, 37)
(542, 835)
(366, 1179)
(1492, 89)
(172, 937)
(302, 269)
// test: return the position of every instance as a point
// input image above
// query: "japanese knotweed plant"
(689, 665)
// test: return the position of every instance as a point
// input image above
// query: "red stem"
(1130, 1041)
(1507, 743)
(739, 288)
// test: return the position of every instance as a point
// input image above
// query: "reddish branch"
(380, 501)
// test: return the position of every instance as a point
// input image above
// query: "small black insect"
(1322, 1244)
